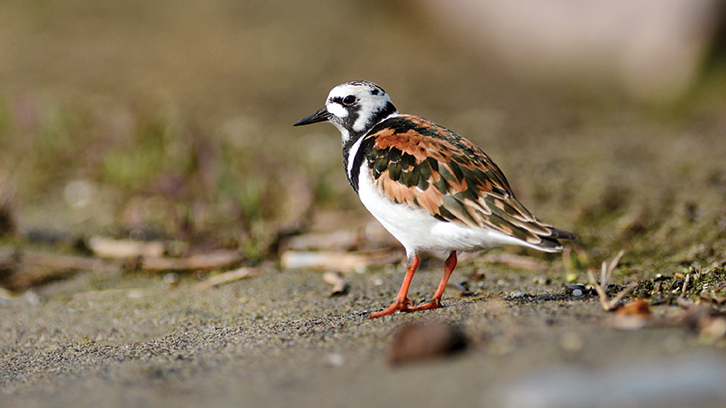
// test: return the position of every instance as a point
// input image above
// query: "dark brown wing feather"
(424, 165)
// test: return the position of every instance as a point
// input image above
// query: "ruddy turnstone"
(431, 189)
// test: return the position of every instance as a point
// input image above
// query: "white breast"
(418, 230)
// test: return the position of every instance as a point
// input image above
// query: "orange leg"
(402, 302)
(449, 266)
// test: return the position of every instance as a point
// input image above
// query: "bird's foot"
(403, 305)
(433, 304)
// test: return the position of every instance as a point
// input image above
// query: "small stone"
(340, 284)
(31, 298)
(541, 280)
(576, 290)
(422, 341)
(171, 279)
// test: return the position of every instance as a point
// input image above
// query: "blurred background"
(173, 119)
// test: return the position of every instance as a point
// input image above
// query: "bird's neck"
(353, 154)
(351, 150)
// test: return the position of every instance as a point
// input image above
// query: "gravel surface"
(278, 339)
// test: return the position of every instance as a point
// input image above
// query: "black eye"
(349, 100)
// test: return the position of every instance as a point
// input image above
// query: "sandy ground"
(278, 339)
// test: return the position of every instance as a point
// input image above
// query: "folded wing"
(423, 165)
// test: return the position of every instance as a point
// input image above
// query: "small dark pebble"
(576, 290)
(422, 341)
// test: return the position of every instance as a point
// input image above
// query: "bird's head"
(354, 108)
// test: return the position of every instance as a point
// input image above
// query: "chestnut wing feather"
(426, 166)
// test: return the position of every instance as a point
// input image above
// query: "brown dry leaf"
(637, 307)
(633, 315)
(340, 284)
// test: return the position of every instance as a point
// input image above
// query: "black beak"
(321, 115)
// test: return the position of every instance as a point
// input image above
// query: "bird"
(432, 189)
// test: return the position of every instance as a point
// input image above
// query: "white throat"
(343, 132)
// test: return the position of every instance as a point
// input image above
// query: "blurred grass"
(178, 114)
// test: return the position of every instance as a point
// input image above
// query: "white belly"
(418, 230)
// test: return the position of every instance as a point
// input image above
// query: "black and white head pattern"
(356, 106)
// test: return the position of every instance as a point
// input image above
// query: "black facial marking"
(352, 107)
(337, 99)
(363, 151)
(385, 112)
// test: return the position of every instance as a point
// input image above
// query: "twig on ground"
(109, 248)
(606, 274)
(685, 284)
(227, 277)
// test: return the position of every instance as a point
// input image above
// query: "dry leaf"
(340, 285)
